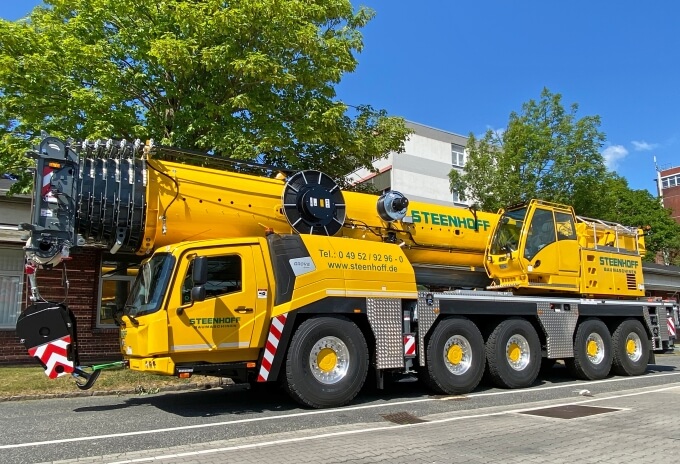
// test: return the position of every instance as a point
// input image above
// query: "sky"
(463, 67)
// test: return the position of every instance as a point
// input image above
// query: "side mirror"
(198, 293)
(117, 316)
(199, 273)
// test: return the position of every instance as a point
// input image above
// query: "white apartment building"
(421, 173)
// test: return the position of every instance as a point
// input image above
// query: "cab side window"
(541, 232)
(224, 277)
(565, 226)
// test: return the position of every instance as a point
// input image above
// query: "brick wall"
(82, 271)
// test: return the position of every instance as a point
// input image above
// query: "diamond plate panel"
(662, 317)
(559, 326)
(385, 319)
(657, 343)
(427, 314)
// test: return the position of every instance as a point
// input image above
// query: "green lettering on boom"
(437, 219)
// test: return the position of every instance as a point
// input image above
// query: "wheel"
(455, 357)
(592, 351)
(327, 362)
(631, 348)
(513, 351)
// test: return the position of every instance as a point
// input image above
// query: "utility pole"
(659, 189)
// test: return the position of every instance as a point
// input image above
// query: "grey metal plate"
(559, 326)
(427, 314)
(569, 411)
(403, 418)
(385, 318)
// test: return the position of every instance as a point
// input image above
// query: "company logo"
(617, 262)
(214, 322)
(302, 266)
(437, 219)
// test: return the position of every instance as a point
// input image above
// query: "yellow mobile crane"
(282, 277)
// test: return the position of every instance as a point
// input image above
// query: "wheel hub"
(458, 354)
(514, 352)
(455, 355)
(592, 348)
(595, 348)
(517, 352)
(329, 360)
(633, 347)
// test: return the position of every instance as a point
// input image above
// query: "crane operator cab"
(544, 246)
(534, 247)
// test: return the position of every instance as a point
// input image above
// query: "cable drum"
(313, 203)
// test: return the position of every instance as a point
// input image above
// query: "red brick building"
(91, 292)
(670, 190)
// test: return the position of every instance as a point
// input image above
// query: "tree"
(639, 208)
(549, 154)
(248, 79)
(545, 152)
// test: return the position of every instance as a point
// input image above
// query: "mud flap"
(48, 331)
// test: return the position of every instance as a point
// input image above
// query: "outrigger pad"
(48, 331)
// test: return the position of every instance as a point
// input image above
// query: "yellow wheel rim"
(631, 347)
(458, 355)
(455, 355)
(592, 348)
(514, 352)
(327, 359)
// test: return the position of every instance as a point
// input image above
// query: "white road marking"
(324, 411)
(372, 429)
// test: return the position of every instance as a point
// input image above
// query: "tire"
(631, 348)
(455, 357)
(327, 362)
(513, 352)
(592, 351)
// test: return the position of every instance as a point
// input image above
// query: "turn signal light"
(251, 365)
(184, 375)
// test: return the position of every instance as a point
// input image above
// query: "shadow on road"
(239, 400)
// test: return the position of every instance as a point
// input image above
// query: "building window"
(670, 181)
(458, 155)
(114, 287)
(456, 197)
(11, 284)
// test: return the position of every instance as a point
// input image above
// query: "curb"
(139, 390)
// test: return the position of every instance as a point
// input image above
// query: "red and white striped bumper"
(275, 331)
(54, 356)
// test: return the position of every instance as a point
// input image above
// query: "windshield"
(506, 238)
(147, 292)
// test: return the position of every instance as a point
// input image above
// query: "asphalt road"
(116, 428)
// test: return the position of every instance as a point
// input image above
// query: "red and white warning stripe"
(275, 331)
(671, 327)
(53, 354)
(47, 185)
(46, 180)
(409, 345)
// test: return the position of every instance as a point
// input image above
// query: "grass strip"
(31, 380)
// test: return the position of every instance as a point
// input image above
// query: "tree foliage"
(640, 208)
(548, 153)
(545, 152)
(249, 79)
